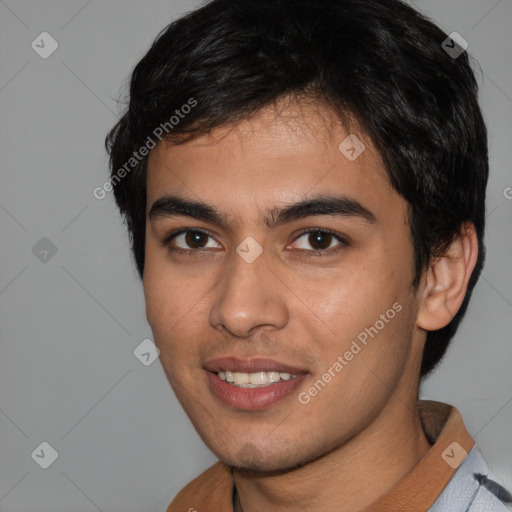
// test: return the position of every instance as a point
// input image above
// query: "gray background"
(69, 326)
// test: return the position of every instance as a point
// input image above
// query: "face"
(268, 250)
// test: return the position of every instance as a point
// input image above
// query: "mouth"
(252, 384)
(254, 380)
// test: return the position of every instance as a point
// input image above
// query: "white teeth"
(257, 378)
(273, 376)
(253, 380)
(240, 378)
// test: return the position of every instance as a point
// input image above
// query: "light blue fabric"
(469, 490)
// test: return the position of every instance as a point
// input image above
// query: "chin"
(252, 460)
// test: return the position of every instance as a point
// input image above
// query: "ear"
(447, 281)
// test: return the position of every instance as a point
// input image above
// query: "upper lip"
(235, 364)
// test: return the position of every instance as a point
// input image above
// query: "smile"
(254, 380)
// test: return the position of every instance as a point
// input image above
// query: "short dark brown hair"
(377, 60)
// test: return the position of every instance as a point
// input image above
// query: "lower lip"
(253, 399)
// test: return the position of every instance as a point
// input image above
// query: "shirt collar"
(418, 489)
(212, 491)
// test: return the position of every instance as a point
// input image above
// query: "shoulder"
(490, 496)
(472, 490)
(211, 489)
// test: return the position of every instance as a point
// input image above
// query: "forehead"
(281, 155)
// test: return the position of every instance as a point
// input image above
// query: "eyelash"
(307, 253)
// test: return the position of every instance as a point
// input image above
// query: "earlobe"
(446, 281)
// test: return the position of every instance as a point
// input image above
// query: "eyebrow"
(339, 206)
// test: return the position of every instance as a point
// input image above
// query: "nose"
(248, 296)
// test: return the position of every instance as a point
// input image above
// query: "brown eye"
(196, 239)
(319, 240)
(189, 240)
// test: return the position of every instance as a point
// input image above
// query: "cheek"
(166, 298)
(369, 303)
(155, 294)
(354, 295)
(176, 305)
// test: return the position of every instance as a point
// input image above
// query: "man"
(304, 186)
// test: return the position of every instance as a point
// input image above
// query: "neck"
(349, 478)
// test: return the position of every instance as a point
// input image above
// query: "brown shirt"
(212, 491)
